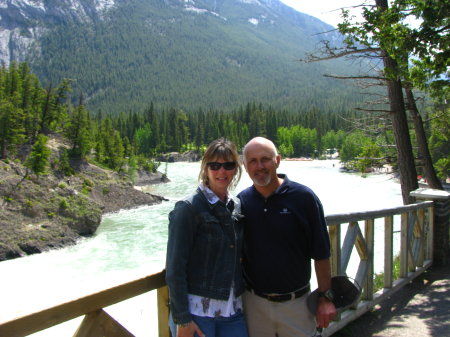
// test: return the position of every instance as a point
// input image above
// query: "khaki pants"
(283, 319)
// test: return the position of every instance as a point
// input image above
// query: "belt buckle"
(273, 298)
(280, 297)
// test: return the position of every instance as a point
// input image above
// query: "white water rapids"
(131, 244)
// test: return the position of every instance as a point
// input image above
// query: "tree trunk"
(424, 153)
(405, 157)
(3, 150)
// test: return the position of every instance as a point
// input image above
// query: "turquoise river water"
(131, 244)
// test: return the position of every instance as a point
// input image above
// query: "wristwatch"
(328, 294)
(183, 325)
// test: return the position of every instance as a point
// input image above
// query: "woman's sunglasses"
(228, 165)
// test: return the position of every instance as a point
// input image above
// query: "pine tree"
(39, 156)
(11, 127)
(54, 109)
(64, 163)
(79, 132)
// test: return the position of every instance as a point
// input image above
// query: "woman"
(203, 269)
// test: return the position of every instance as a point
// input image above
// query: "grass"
(378, 280)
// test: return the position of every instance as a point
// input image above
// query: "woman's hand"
(188, 330)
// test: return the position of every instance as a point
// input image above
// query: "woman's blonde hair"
(224, 149)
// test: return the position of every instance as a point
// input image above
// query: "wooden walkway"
(419, 309)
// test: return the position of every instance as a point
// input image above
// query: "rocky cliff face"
(22, 22)
(53, 210)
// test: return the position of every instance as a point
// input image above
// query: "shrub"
(147, 164)
(87, 186)
(63, 204)
(88, 182)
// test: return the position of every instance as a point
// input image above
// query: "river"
(130, 244)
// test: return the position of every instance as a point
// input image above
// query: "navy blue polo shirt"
(281, 235)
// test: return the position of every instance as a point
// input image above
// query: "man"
(285, 228)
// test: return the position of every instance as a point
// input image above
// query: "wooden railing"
(96, 322)
(415, 253)
(415, 256)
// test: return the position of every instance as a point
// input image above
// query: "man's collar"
(284, 185)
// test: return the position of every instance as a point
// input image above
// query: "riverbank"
(38, 213)
(53, 211)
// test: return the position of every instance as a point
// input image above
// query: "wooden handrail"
(44, 319)
(415, 256)
(416, 239)
(333, 219)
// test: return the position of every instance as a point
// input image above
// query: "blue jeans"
(233, 326)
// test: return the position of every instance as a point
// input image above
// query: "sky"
(326, 10)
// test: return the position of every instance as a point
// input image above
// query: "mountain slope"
(183, 53)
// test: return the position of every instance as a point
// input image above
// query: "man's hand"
(325, 312)
(189, 330)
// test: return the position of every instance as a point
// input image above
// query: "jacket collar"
(212, 198)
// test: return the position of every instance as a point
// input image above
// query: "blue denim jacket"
(203, 252)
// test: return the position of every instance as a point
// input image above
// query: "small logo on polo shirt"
(285, 211)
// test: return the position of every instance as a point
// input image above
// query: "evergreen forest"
(156, 51)
(29, 113)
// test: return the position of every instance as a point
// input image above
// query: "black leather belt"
(281, 297)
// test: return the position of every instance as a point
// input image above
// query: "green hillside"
(157, 51)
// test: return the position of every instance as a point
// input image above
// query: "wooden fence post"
(441, 201)
(163, 311)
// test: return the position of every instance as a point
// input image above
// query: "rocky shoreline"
(171, 157)
(52, 211)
